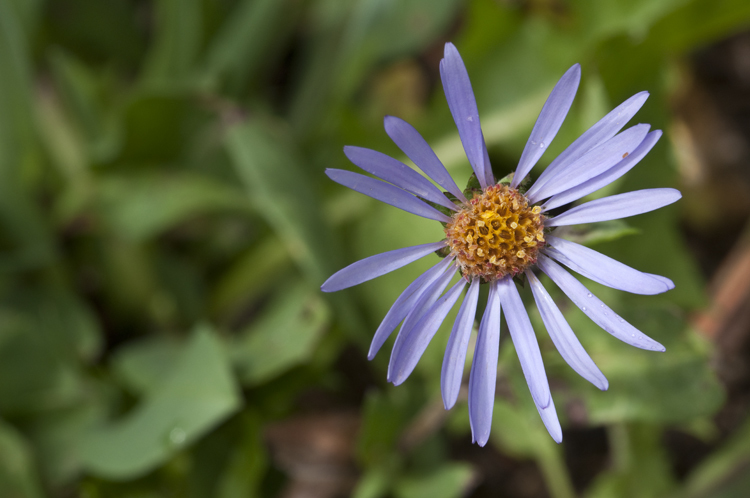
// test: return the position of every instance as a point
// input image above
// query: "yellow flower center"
(496, 234)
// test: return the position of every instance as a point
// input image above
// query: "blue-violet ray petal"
(377, 265)
(595, 309)
(603, 130)
(395, 172)
(483, 376)
(404, 304)
(591, 164)
(387, 193)
(603, 269)
(421, 334)
(458, 345)
(524, 340)
(604, 179)
(563, 337)
(617, 206)
(463, 106)
(416, 148)
(549, 121)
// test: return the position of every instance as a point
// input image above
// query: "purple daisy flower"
(497, 232)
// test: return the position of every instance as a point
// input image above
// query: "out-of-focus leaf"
(451, 480)
(640, 465)
(672, 387)
(33, 374)
(98, 30)
(284, 336)
(610, 17)
(56, 434)
(252, 29)
(242, 476)
(138, 207)
(349, 38)
(246, 279)
(384, 417)
(699, 23)
(18, 475)
(85, 94)
(723, 474)
(171, 59)
(282, 194)
(194, 396)
(27, 243)
(65, 324)
(154, 127)
(141, 365)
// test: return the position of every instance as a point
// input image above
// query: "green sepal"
(472, 187)
(590, 234)
(506, 179)
(443, 252)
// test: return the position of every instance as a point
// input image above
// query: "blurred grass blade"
(172, 57)
(196, 395)
(724, 472)
(139, 207)
(252, 30)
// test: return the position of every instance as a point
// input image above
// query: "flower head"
(497, 232)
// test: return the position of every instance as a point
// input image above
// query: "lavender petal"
(524, 339)
(612, 174)
(404, 304)
(423, 304)
(421, 334)
(591, 164)
(375, 266)
(595, 309)
(563, 336)
(617, 206)
(483, 375)
(603, 269)
(463, 106)
(549, 121)
(602, 131)
(397, 173)
(458, 344)
(387, 193)
(416, 148)
(551, 422)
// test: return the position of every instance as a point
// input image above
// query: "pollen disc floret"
(496, 234)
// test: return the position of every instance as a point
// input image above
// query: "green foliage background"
(165, 225)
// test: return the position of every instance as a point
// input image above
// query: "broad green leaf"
(56, 434)
(284, 336)
(141, 365)
(18, 475)
(192, 398)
